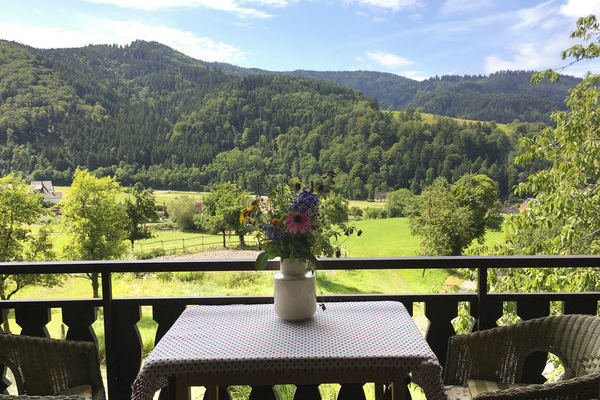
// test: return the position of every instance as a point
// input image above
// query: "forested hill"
(146, 113)
(501, 97)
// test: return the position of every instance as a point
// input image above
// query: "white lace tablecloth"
(239, 339)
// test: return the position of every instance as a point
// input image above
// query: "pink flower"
(297, 222)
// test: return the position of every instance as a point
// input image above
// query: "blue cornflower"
(272, 232)
(307, 203)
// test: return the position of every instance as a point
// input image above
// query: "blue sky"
(412, 38)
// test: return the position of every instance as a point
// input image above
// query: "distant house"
(380, 197)
(525, 205)
(510, 209)
(47, 190)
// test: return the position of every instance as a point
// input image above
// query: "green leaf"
(262, 260)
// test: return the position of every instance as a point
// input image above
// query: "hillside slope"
(147, 113)
(501, 97)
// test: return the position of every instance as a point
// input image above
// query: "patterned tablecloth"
(242, 338)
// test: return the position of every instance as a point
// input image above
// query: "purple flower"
(306, 203)
(273, 232)
(359, 232)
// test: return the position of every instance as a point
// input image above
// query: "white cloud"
(390, 5)
(232, 6)
(528, 56)
(580, 8)
(103, 31)
(535, 16)
(464, 6)
(388, 60)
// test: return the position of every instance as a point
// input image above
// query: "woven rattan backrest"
(575, 339)
(44, 366)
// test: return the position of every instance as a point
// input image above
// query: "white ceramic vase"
(294, 291)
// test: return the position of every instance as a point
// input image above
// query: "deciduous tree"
(224, 204)
(18, 210)
(181, 211)
(563, 216)
(445, 227)
(452, 216)
(95, 220)
(400, 203)
(139, 209)
(478, 193)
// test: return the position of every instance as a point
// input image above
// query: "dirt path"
(454, 284)
(213, 254)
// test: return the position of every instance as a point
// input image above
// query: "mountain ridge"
(505, 95)
(147, 113)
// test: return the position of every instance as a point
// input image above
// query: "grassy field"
(388, 237)
(174, 241)
(161, 196)
(166, 196)
(380, 238)
(366, 204)
(432, 118)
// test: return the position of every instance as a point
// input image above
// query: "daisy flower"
(297, 222)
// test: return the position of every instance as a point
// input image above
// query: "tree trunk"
(241, 236)
(224, 239)
(95, 277)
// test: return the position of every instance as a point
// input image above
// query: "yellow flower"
(244, 215)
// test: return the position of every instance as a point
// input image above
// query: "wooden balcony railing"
(122, 340)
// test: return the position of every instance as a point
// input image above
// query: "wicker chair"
(44, 366)
(499, 354)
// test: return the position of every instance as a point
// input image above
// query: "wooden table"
(218, 346)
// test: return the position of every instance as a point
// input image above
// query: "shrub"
(165, 276)
(242, 278)
(399, 203)
(190, 276)
(146, 255)
(182, 210)
(375, 213)
(203, 222)
(356, 211)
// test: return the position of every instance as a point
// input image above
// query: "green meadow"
(380, 238)
(432, 118)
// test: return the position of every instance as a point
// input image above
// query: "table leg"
(378, 391)
(398, 390)
(182, 390)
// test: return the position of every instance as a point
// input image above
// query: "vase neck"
(296, 267)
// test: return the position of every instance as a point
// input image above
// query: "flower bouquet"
(298, 224)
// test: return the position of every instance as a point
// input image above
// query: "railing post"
(488, 309)
(109, 344)
(481, 297)
(4, 382)
(440, 312)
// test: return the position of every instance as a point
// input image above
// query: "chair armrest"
(582, 387)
